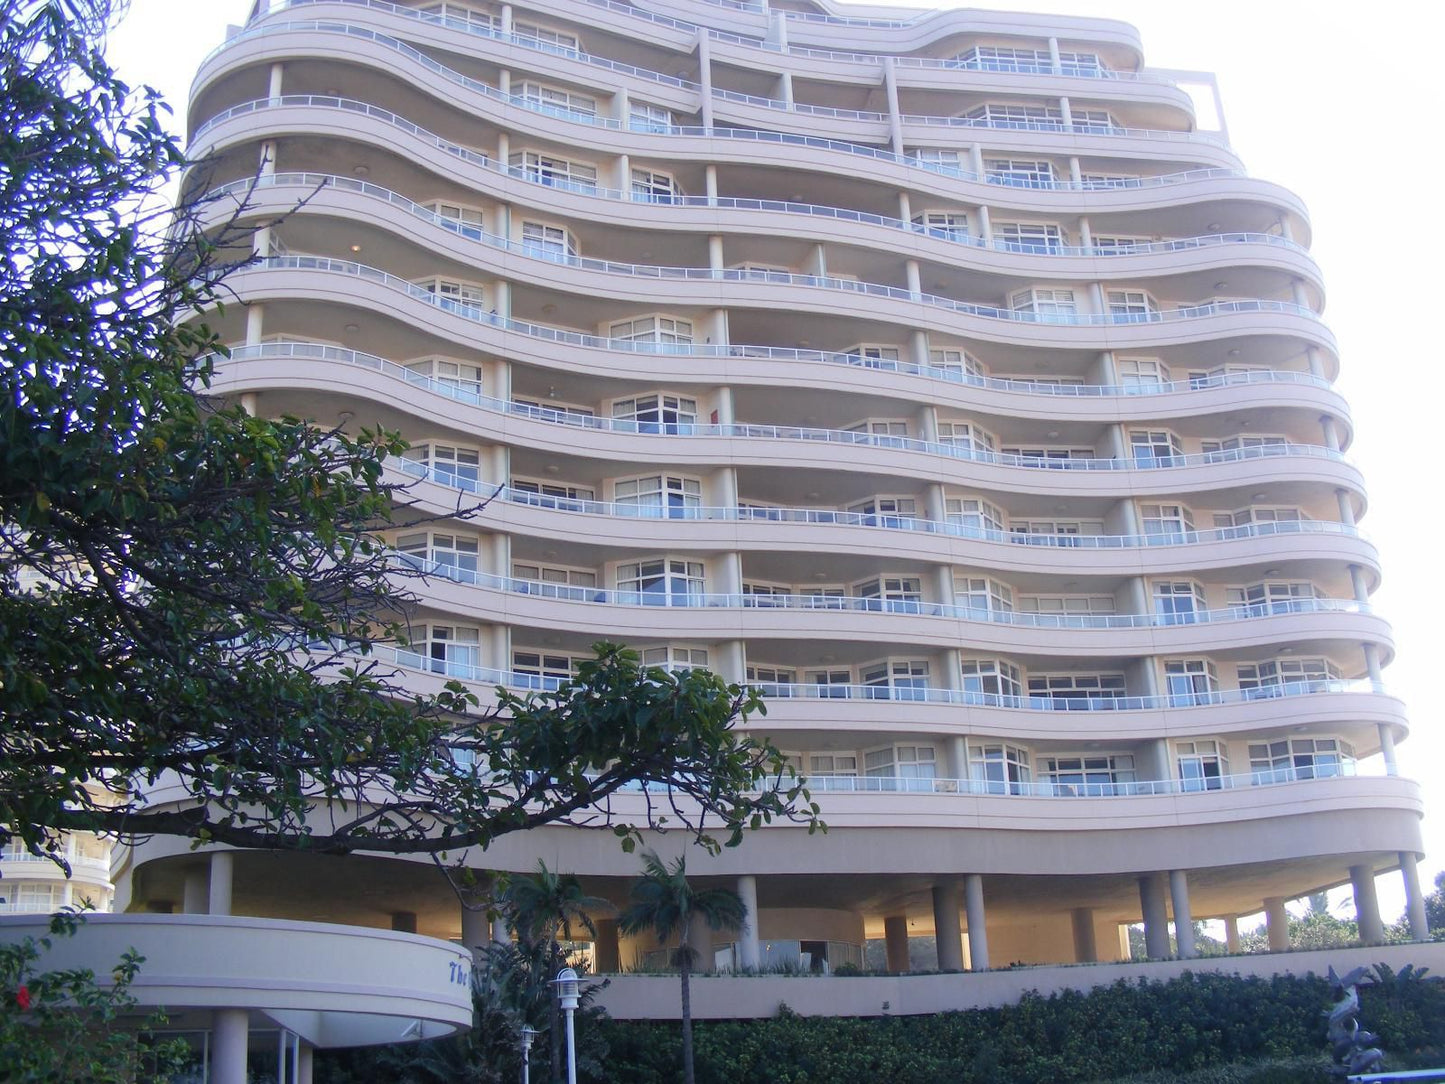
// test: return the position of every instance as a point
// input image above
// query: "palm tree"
(542, 905)
(664, 902)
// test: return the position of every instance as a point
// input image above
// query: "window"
(558, 172)
(452, 14)
(1018, 173)
(1245, 447)
(974, 514)
(1047, 305)
(451, 555)
(455, 212)
(545, 35)
(535, 670)
(1275, 677)
(981, 597)
(454, 295)
(1033, 118)
(1255, 514)
(454, 650)
(556, 582)
(657, 413)
(1225, 374)
(1116, 245)
(991, 678)
(1130, 307)
(1110, 180)
(957, 364)
(1178, 602)
(896, 594)
(770, 677)
(550, 494)
(449, 465)
(1141, 376)
(1280, 597)
(1299, 758)
(644, 117)
(1190, 681)
(1068, 610)
(1053, 532)
(662, 330)
(833, 764)
(1089, 775)
(1092, 120)
(885, 511)
(675, 658)
(662, 581)
(651, 186)
(999, 768)
(911, 765)
(831, 684)
(886, 434)
(966, 435)
(1076, 692)
(553, 411)
(873, 356)
(897, 680)
(952, 225)
(1038, 237)
(456, 379)
(659, 496)
(936, 158)
(558, 101)
(995, 58)
(1165, 523)
(547, 242)
(1202, 765)
(1154, 448)
(766, 595)
(20, 897)
(1048, 456)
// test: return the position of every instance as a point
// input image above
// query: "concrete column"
(943, 583)
(1414, 902)
(785, 88)
(403, 921)
(1358, 585)
(946, 933)
(935, 505)
(710, 184)
(977, 930)
(219, 897)
(1076, 172)
(1156, 916)
(255, 323)
(955, 754)
(895, 943)
(895, 115)
(624, 171)
(195, 895)
(1316, 361)
(1129, 517)
(1067, 111)
(952, 678)
(230, 1035)
(504, 81)
(274, 80)
(749, 950)
(502, 303)
(1299, 293)
(606, 950)
(1183, 918)
(975, 160)
(1276, 921)
(1372, 661)
(717, 325)
(729, 573)
(699, 938)
(1086, 951)
(1096, 297)
(1116, 439)
(905, 208)
(726, 413)
(1367, 905)
(1086, 232)
(305, 1062)
(1149, 675)
(985, 224)
(475, 931)
(704, 65)
(715, 254)
(505, 23)
(1231, 933)
(268, 158)
(1054, 56)
(914, 278)
(1347, 507)
(1331, 435)
(622, 107)
(732, 662)
(504, 158)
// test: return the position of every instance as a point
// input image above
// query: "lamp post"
(567, 997)
(528, 1034)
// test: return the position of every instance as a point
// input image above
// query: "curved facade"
(935, 373)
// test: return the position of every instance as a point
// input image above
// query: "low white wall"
(725, 997)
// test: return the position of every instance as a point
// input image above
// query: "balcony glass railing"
(490, 676)
(1048, 788)
(663, 597)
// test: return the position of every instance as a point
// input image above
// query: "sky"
(1319, 98)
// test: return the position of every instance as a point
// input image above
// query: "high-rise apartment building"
(932, 371)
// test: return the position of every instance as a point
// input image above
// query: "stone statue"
(1351, 1047)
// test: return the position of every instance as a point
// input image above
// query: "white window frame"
(660, 581)
(557, 101)
(555, 172)
(659, 496)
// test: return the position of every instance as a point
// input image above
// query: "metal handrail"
(610, 596)
(491, 676)
(316, 180)
(1185, 313)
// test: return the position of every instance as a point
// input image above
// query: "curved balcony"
(803, 112)
(637, 615)
(1275, 389)
(1190, 324)
(318, 191)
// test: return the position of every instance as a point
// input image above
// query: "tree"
(543, 905)
(664, 901)
(192, 595)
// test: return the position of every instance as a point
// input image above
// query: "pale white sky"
(1323, 97)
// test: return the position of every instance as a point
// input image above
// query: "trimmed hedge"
(1155, 1030)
